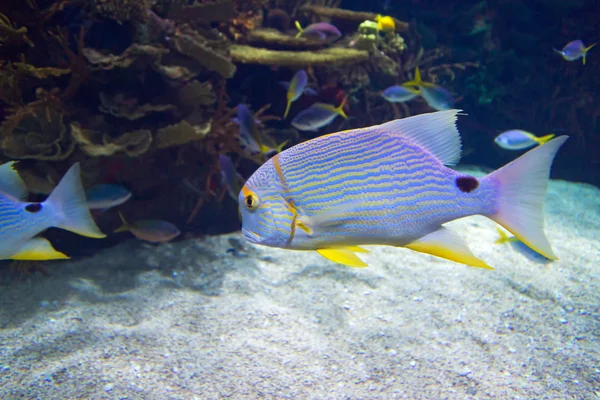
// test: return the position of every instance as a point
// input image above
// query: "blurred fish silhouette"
(400, 94)
(521, 248)
(517, 139)
(319, 31)
(106, 195)
(229, 176)
(574, 51)
(318, 115)
(65, 208)
(295, 89)
(436, 96)
(150, 230)
(251, 140)
(388, 185)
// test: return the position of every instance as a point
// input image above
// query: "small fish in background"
(295, 89)
(521, 248)
(385, 23)
(319, 31)
(252, 141)
(229, 176)
(106, 195)
(65, 208)
(399, 94)
(318, 115)
(388, 185)
(150, 230)
(517, 139)
(436, 96)
(574, 51)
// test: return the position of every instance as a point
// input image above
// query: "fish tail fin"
(521, 188)
(287, 108)
(299, 27)
(68, 203)
(559, 52)
(544, 139)
(279, 147)
(340, 109)
(504, 238)
(585, 50)
(416, 81)
(124, 227)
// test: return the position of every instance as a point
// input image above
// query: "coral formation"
(326, 57)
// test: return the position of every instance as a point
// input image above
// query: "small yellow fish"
(385, 23)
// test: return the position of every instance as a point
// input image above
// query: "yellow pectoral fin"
(344, 255)
(38, 249)
(544, 139)
(446, 244)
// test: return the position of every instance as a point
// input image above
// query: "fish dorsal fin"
(436, 132)
(11, 183)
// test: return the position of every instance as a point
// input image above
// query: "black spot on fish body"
(467, 184)
(33, 207)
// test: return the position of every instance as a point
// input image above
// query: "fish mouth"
(251, 236)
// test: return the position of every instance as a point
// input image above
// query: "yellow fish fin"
(38, 249)
(544, 139)
(300, 30)
(302, 225)
(446, 244)
(343, 255)
(504, 238)
(585, 50)
(340, 109)
(123, 228)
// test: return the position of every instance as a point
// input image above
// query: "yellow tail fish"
(389, 185)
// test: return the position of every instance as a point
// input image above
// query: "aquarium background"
(146, 94)
(143, 93)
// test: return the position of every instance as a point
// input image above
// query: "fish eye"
(251, 201)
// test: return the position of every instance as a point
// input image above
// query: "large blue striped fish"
(20, 221)
(387, 185)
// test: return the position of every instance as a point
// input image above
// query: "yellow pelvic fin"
(344, 255)
(446, 244)
(544, 139)
(123, 228)
(38, 249)
(302, 225)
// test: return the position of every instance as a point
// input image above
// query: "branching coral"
(9, 35)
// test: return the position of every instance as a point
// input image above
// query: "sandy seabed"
(192, 320)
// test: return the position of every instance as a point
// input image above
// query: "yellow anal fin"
(344, 255)
(446, 244)
(38, 249)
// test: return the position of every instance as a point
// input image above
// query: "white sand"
(283, 324)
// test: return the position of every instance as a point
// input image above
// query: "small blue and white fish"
(229, 176)
(253, 143)
(574, 50)
(388, 185)
(295, 89)
(319, 31)
(65, 208)
(521, 248)
(517, 139)
(436, 96)
(106, 195)
(150, 230)
(318, 115)
(399, 94)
